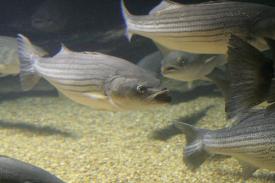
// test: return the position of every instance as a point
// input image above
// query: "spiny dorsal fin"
(165, 5)
(64, 49)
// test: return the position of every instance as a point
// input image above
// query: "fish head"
(49, 17)
(181, 66)
(137, 92)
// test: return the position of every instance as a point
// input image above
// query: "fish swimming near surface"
(52, 16)
(15, 171)
(251, 75)
(252, 142)
(90, 78)
(9, 61)
(204, 27)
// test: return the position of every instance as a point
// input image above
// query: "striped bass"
(93, 79)
(252, 142)
(9, 61)
(205, 27)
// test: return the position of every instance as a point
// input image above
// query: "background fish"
(152, 62)
(93, 79)
(251, 142)
(205, 27)
(9, 61)
(251, 75)
(52, 16)
(15, 171)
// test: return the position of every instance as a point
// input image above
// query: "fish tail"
(28, 57)
(250, 74)
(195, 153)
(126, 16)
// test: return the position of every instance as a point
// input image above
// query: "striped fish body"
(92, 79)
(252, 142)
(205, 27)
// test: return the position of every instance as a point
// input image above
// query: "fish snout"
(160, 95)
(168, 69)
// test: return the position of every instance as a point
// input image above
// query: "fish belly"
(180, 44)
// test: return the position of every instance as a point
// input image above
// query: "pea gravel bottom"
(80, 145)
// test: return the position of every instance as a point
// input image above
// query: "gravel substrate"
(80, 145)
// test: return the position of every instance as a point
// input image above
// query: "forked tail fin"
(28, 57)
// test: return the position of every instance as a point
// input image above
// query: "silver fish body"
(186, 66)
(252, 142)
(93, 79)
(9, 61)
(13, 171)
(205, 27)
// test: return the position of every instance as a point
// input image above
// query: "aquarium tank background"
(54, 125)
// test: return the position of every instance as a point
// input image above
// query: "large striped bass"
(93, 79)
(252, 142)
(205, 27)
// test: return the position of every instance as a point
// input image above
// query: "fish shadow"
(35, 93)
(199, 91)
(34, 129)
(170, 131)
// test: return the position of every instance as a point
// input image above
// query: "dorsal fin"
(165, 5)
(64, 49)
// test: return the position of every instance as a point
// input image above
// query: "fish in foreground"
(15, 171)
(252, 142)
(9, 61)
(204, 27)
(251, 75)
(93, 79)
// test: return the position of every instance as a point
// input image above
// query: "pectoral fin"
(95, 95)
(248, 169)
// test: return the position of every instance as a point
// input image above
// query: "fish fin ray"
(194, 153)
(165, 5)
(28, 57)
(248, 169)
(95, 96)
(126, 16)
(250, 74)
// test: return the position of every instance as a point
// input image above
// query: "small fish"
(93, 79)
(9, 61)
(252, 142)
(52, 16)
(152, 62)
(204, 27)
(251, 75)
(186, 66)
(15, 171)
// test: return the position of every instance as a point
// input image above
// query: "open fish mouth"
(161, 96)
(169, 69)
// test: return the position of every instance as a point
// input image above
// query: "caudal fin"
(250, 74)
(194, 153)
(127, 17)
(28, 57)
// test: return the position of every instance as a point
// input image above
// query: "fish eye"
(141, 89)
(181, 61)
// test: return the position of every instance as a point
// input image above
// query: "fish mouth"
(161, 96)
(169, 69)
